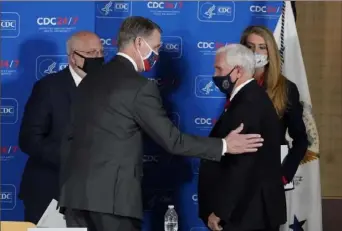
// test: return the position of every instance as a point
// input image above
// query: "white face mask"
(150, 59)
(260, 60)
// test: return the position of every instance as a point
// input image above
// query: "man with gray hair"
(46, 116)
(243, 192)
(102, 159)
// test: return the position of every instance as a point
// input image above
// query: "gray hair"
(239, 55)
(133, 27)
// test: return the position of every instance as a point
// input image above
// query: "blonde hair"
(275, 82)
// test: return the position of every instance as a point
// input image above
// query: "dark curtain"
(293, 3)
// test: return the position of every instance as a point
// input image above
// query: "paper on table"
(52, 218)
(284, 150)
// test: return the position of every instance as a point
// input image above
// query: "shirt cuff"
(284, 180)
(224, 149)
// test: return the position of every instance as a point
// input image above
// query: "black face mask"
(225, 83)
(90, 63)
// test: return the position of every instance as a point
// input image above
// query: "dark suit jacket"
(102, 159)
(43, 125)
(293, 121)
(246, 190)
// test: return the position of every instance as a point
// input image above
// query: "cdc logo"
(165, 5)
(204, 121)
(50, 64)
(194, 198)
(205, 88)
(153, 162)
(150, 159)
(9, 24)
(209, 47)
(216, 11)
(57, 21)
(7, 197)
(157, 198)
(109, 46)
(206, 45)
(160, 8)
(204, 124)
(9, 111)
(108, 42)
(173, 45)
(114, 9)
(264, 9)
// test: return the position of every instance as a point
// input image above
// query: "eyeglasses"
(92, 52)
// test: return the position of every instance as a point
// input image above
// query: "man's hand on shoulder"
(242, 143)
(213, 222)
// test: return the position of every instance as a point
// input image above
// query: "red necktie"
(227, 104)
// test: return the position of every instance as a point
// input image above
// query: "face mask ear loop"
(142, 60)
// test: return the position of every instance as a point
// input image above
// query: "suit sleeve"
(151, 116)
(34, 137)
(240, 179)
(297, 131)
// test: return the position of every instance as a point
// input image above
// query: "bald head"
(84, 41)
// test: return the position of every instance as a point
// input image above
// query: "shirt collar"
(129, 58)
(238, 88)
(75, 76)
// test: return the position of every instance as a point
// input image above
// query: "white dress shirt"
(75, 76)
(236, 90)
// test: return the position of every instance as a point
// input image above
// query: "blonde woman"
(283, 93)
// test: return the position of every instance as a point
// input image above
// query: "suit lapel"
(70, 85)
(241, 95)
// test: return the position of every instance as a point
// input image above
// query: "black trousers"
(95, 221)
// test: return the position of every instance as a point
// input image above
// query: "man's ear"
(72, 58)
(137, 42)
(239, 72)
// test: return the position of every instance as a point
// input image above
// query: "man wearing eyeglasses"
(45, 118)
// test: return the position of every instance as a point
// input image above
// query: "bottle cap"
(171, 206)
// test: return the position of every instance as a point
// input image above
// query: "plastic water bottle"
(171, 219)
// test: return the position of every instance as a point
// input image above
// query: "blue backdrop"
(33, 36)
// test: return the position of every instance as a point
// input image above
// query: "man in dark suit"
(45, 118)
(243, 192)
(102, 154)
